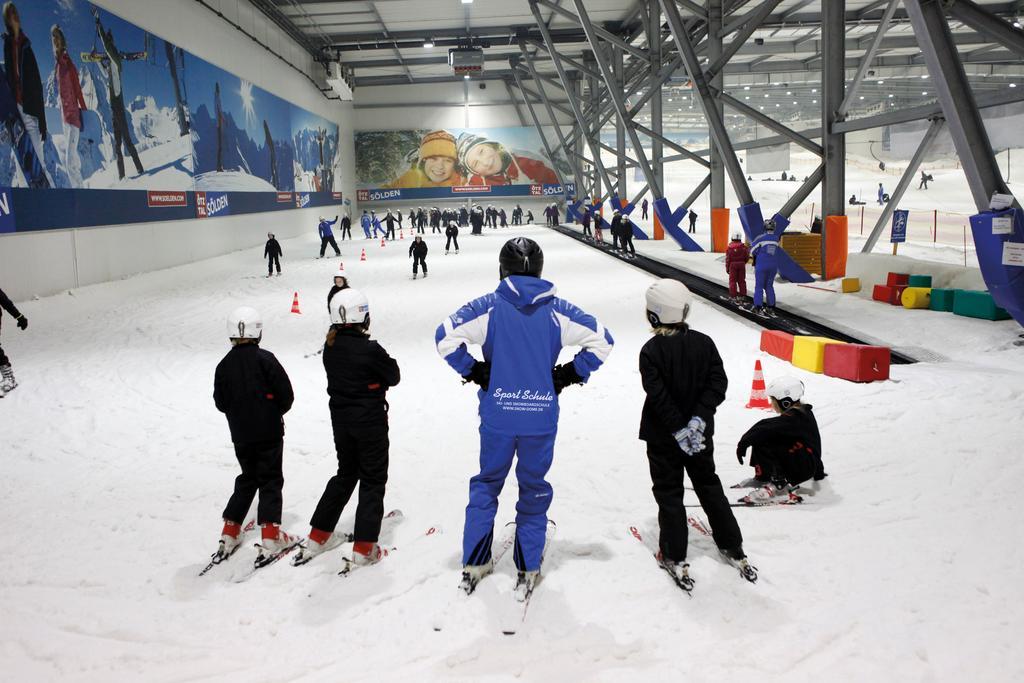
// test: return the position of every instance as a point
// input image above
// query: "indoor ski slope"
(906, 566)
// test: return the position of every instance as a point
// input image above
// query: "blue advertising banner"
(6, 211)
(109, 107)
(899, 226)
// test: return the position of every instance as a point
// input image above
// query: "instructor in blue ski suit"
(764, 249)
(327, 236)
(522, 326)
(365, 223)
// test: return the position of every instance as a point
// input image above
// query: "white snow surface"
(904, 567)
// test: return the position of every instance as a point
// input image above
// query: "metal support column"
(654, 48)
(617, 59)
(865, 62)
(957, 99)
(540, 129)
(714, 51)
(833, 86)
(617, 98)
(901, 187)
(716, 124)
(592, 130)
(988, 25)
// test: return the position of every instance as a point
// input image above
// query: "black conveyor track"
(785, 321)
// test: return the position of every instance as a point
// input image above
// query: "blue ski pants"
(764, 285)
(533, 460)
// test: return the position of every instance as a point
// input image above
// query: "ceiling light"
(788, 92)
(766, 94)
(814, 101)
(924, 92)
(924, 75)
(747, 97)
(880, 82)
(428, 43)
(814, 90)
(890, 95)
(466, 77)
(1017, 24)
(746, 87)
(794, 101)
(776, 104)
(1013, 85)
(670, 99)
(467, 2)
(862, 97)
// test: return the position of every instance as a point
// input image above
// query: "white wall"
(41, 263)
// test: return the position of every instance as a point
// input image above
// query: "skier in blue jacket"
(764, 251)
(365, 223)
(522, 326)
(327, 236)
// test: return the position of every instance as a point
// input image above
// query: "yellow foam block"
(917, 297)
(851, 284)
(809, 352)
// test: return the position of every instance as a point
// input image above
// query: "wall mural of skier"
(89, 101)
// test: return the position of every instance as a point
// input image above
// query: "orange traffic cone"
(295, 304)
(758, 397)
(362, 257)
(382, 241)
(401, 235)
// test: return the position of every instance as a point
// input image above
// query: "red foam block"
(778, 344)
(884, 293)
(857, 362)
(897, 294)
(897, 279)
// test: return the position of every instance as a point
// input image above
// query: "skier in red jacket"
(736, 256)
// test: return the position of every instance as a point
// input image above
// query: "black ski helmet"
(520, 256)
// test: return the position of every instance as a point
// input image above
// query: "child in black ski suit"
(253, 391)
(359, 374)
(685, 381)
(418, 252)
(786, 448)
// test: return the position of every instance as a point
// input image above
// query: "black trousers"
(644, 209)
(363, 459)
(452, 239)
(615, 240)
(4, 360)
(586, 230)
(418, 260)
(693, 226)
(668, 463)
(324, 241)
(390, 233)
(346, 231)
(627, 241)
(271, 262)
(782, 466)
(261, 471)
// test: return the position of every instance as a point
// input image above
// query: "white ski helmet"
(245, 323)
(668, 302)
(350, 307)
(787, 390)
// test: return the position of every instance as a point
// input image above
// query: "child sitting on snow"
(786, 449)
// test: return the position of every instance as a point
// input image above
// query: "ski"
(264, 560)
(338, 540)
(684, 582)
(524, 590)
(746, 570)
(220, 557)
(791, 499)
(350, 566)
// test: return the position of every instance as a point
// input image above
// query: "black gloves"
(479, 374)
(741, 452)
(564, 375)
(23, 322)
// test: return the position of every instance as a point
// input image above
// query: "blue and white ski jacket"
(764, 249)
(521, 327)
(365, 222)
(325, 228)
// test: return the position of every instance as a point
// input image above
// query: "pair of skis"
(684, 581)
(514, 612)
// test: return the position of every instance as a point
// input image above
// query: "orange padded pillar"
(837, 247)
(719, 230)
(659, 232)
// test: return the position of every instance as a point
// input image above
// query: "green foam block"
(920, 280)
(942, 299)
(977, 305)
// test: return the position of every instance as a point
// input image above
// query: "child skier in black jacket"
(359, 374)
(786, 449)
(252, 389)
(685, 382)
(418, 253)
